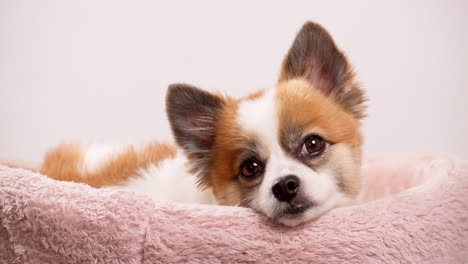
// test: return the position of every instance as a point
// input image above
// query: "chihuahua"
(292, 152)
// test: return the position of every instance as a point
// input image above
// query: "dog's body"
(155, 169)
(292, 152)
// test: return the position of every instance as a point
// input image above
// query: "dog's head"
(292, 152)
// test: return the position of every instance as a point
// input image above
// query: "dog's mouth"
(293, 210)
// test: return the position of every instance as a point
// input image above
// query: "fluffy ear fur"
(315, 58)
(193, 115)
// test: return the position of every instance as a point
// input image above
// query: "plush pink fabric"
(46, 221)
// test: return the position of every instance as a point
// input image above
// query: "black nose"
(286, 188)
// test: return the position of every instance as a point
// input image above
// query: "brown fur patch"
(229, 141)
(302, 105)
(66, 164)
(231, 145)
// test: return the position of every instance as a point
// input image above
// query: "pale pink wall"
(98, 70)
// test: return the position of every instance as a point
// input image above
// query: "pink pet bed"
(414, 209)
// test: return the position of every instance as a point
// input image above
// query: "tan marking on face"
(226, 154)
(225, 150)
(302, 106)
(345, 162)
(65, 163)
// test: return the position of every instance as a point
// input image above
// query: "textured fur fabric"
(414, 209)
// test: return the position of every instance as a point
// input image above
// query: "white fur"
(96, 156)
(261, 118)
(169, 181)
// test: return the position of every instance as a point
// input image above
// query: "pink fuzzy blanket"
(414, 209)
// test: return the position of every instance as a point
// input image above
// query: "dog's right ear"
(315, 58)
(193, 115)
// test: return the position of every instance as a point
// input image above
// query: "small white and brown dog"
(292, 152)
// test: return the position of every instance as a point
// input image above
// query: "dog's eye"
(313, 146)
(251, 168)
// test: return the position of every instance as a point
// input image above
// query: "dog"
(292, 152)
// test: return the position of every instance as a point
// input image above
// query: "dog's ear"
(193, 115)
(315, 58)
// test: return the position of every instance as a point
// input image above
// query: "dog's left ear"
(193, 114)
(315, 58)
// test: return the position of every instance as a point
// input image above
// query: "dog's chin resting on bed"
(292, 152)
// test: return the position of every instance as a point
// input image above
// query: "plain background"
(98, 70)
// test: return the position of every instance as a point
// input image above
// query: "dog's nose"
(286, 188)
